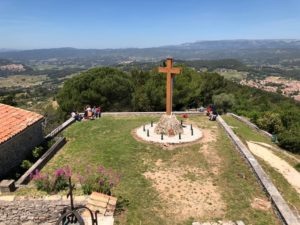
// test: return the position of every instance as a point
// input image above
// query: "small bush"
(53, 184)
(290, 141)
(26, 164)
(254, 116)
(122, 204)
(102, 180)
(37, 152)
(41, 181)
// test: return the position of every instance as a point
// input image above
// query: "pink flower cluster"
(102, 180)
(108, 175)
(52, 184)
(37, 175)
(67, 172)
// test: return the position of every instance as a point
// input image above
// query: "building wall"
(19, 147)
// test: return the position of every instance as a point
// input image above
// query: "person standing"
(94, 112)
(98, 111)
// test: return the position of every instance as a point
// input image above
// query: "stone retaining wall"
(285, 213)
(22, 210)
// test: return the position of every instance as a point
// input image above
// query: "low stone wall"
(60, 128)
(285, 213)
(149, 113)
(22, 210)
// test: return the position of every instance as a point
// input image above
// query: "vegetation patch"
(247, 134)
(205, 181)
(297, 167)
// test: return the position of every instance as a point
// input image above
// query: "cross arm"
(175, 70)
(163, 70)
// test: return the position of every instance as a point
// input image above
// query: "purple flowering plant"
(41, 181)
(102, 180)
(53, 184)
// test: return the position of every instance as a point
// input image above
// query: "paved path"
(289, 172)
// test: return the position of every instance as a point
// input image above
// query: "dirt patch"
(208, 150)
(187, 193)
(187, 188)
(289, 172)
(212, 158)
(159, 163)
(208, 136)
(261, 204)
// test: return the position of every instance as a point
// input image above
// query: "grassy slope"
(108, 141)
(248, 134)
(22, 81)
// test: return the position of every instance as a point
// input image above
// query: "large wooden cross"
(171, 72)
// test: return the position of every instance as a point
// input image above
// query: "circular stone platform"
(186, 137)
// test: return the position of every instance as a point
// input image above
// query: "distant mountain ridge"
(241, 44)
(247, 51)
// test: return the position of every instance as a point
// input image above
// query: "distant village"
(13, 67)
(290, 88)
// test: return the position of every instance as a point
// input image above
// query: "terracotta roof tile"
(14, 120)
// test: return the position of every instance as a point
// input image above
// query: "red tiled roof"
(14, 120)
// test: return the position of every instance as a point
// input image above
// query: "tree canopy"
(107, 87)
(139, 90)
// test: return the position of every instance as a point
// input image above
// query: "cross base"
(168, 125)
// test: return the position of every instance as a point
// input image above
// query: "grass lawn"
(248, 134)
(207, 181)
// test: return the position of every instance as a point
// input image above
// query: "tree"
(270, 122)
(110, 88)
(210, 84)
(9, 100)
(290, 140)
(224, 101)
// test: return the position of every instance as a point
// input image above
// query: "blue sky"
(28, 24)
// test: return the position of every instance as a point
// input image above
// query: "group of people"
(92, 113)
(211, 112)
(89, 113)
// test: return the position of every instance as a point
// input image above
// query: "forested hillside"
(142, 90)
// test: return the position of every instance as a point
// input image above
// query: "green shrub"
(37, 152)
(297, 167)
(26, 164)
(223, 102)
(103, 180)
(53, 184)
(254, 116)
(270, 122)
(122, 204)
(290, 141)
